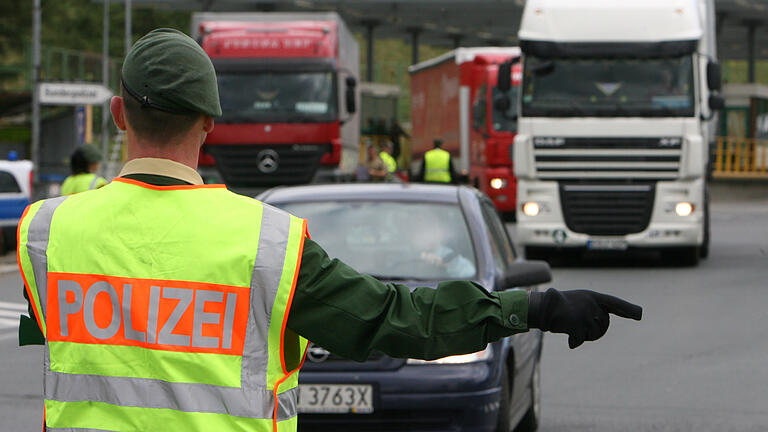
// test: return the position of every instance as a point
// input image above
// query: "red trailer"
(452, 98)
(287, 85)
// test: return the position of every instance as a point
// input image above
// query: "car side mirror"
(524, 273)
(716, 102)
(714, 76)
(349, 95)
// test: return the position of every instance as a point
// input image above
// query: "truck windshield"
(661, 87)
(505, 121)
(277, 96)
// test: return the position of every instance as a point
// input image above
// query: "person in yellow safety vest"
(166, 304)
(386, 155)
(84, 164)
(437, 166)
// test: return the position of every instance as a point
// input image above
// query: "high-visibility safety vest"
(437, 165)
(81, 182)
(389, 161)
(164, 308)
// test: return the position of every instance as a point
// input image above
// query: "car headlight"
(498, 183)
(457, 359)
(683, 209)
(531, 208)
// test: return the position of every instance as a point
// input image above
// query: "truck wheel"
(683, 256)
(704, 251)
(536, 253)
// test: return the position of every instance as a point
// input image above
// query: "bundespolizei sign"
(73, 94)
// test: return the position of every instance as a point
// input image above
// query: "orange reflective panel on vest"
(157, 314)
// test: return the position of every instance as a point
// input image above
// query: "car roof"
(364, 192)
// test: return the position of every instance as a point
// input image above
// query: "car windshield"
(608, 87)
(277, 96)
(393, 240)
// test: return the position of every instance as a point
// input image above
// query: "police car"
(15, 196)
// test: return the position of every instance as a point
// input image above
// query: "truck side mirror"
(504, 80)
(716, 102)
(349, 95)
(714, 76)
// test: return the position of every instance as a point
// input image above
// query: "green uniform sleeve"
(352, 314)
(29, 329)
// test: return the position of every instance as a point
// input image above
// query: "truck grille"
(607, 158)
(263, 165)
(605, 209)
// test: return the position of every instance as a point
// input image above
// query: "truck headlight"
(531, 208)
(498, 183)
(457, 359)
(683, 209)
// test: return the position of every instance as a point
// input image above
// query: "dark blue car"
(418, 235)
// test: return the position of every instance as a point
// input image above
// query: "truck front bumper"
(665, 229)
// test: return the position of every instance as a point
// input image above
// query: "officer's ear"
(207, 124)
(117, 108)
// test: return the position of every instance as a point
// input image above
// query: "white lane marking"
(9, 323)
(9, 318)
(13, 306)
(8, 268)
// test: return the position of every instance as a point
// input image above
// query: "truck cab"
(287, 85)
(615, 126)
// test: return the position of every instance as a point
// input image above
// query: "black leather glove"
(581, 314)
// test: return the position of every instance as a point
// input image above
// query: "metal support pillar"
(415, 32)
(369, 51)
(751, 50)
(456, 38)
(128, 26)
(105, 81)
(35, 150)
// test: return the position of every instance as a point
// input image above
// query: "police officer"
(188, 307)
(386, 155)
(84, 164)
(437, 166)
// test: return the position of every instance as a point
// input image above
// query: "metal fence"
(741, 158)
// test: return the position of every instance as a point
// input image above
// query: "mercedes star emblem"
(268, 161)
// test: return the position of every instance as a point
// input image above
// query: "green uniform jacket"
(351, 314)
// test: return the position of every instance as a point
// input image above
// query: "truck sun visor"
(549, 49)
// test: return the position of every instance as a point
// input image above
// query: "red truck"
(454, 97)
(287, 84)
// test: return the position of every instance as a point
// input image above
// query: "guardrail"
(741, 158)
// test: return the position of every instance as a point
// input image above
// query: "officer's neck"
(183, 151)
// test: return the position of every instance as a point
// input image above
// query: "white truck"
(615, 125)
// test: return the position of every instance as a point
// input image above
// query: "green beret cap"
(169, 71)
(91, 153)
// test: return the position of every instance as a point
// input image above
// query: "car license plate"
(336, 398)
(607, 244)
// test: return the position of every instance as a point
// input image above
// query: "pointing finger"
(620, 307)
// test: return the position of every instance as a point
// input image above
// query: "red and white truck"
(287, 84)
(453, 98)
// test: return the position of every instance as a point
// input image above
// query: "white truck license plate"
(607, 244)
(336, 398)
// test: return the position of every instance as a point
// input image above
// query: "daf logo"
(268, 161)
(317, 354)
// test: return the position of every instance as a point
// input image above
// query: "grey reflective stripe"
(93, 182)
(149, 393)
(50, 429)
(37, 246)
(267, 270)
